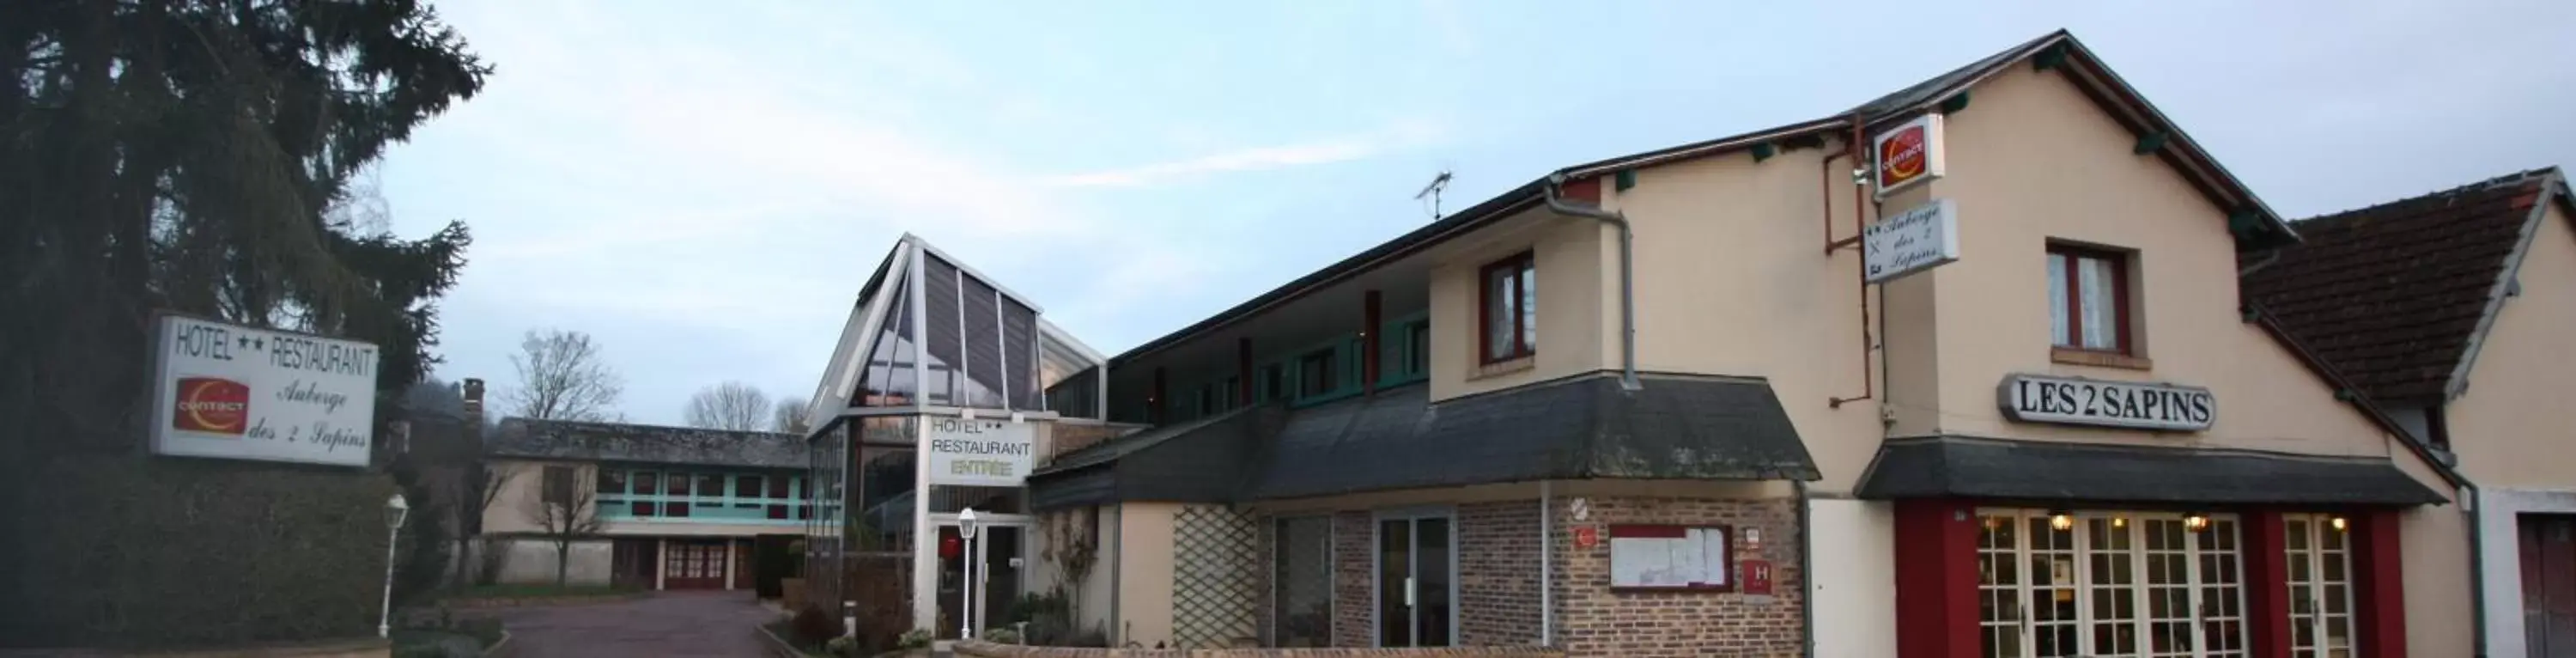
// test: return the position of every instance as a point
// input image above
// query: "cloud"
(1345, 149)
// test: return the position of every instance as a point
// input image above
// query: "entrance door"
(2549, 585)
(998, 575)
(1416, 574)
(694, 565)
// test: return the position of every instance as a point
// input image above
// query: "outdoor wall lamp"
(2061, 520)
(2338, 523)
(2195, 521)
(395, 510)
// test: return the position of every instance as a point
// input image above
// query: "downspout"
(1627, 275)
(1546, 565)
(1806, 572)
(2477, 568)
(1860, 269)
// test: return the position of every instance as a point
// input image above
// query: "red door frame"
(694, 557)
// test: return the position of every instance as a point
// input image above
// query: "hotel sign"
(1908, 154)
(981, 452)
(234, 392)
(1915, 240)
(2077, 401)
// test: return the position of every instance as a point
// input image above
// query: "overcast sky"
(704, 186)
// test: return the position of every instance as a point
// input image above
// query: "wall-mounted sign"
(1918, 239)
(982, 452)
(234, 392)
(1907, 154)
(1756, 576)
(2077, 401)
(1669, 557)
(1586, 537)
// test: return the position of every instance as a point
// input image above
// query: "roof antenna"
(1438, 183)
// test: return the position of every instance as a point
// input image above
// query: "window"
(644, 483)
(1273, 382)
(611, 482)
(1417, 348)
(746, 487)
(1509, 309)
(1315, 373)
(2110, 584)
(711, 486)
(1207, 400)
(558, 483)
(778, 488)
(2088, 299)
(678, 483)
(2321, 622)
(1227, 392)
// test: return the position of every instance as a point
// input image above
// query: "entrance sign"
(1668, 557)
(1907, 154)
(234, 392)
(2078, 401)
(1922, 238)
(981, 452)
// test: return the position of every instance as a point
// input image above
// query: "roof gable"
(2396, 295)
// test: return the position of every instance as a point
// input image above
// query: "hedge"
(149, 552)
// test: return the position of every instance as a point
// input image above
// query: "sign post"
(967, 614)
(235, 392)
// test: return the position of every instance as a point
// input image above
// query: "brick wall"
(1353, 533)
(1593, 621)
(1498, 573)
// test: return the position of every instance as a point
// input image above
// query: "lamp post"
(966, 591)
(395, 510)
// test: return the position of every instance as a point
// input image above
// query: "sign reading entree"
(979, 451)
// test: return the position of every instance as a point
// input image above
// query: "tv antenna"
(1432, 190)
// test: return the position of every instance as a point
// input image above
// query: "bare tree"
(729, 406)
(563, 512)
(477, 485)
(563, 377)
(790, 417)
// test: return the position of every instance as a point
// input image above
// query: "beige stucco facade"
(1144, 573)
(1569, 256)
(2501, 420)
(513, 510)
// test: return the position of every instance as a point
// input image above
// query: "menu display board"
(1670, 557)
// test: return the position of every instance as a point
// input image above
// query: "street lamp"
(395, 510)
(966, 591)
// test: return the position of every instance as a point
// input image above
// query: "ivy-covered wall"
(132, 551)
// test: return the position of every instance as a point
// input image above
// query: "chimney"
(474, 399)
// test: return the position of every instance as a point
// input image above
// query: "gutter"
(1627, 274)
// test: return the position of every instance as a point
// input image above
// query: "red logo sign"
(1904, 155)
(212, 405)
(1586, 537)
(1755, 575)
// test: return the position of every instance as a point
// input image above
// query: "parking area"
(713, 624)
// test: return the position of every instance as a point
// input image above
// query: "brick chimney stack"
(474, 399)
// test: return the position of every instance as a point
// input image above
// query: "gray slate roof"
(1964, 467)
(1677, 427)
(646, 444)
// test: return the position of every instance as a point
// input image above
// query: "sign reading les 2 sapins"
(234, 392)
(1907, 154)
(2076, 401)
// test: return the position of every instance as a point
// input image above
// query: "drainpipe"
(2477, 568)
(1806, 572)
(1546, 565)
(1627, 275)
(1860, 216)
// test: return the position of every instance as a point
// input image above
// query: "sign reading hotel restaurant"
(1908, 154)
(234, 392)
(980, 452)
(1915, 240)
(2076, 401)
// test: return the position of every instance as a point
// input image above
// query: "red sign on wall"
(213, 405)
(1755, 576)
(1586, 537)
(1909, 153)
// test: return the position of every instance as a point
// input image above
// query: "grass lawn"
(538, 591)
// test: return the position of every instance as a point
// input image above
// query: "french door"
(2320, 586)
(2109, 584)
(694, 565)
(1416, 579)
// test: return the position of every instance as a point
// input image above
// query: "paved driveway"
(710, 624)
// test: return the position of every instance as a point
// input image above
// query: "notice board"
(1670, 557)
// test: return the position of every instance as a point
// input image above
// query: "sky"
(703, 187)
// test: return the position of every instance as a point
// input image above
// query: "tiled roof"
(650, 444)
(2393, 295)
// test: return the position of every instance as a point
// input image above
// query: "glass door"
(2320, 587)
(2108, 584)
(1416, 580)
(997, 577)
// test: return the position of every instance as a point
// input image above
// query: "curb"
(503, 648)
(774, 646)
